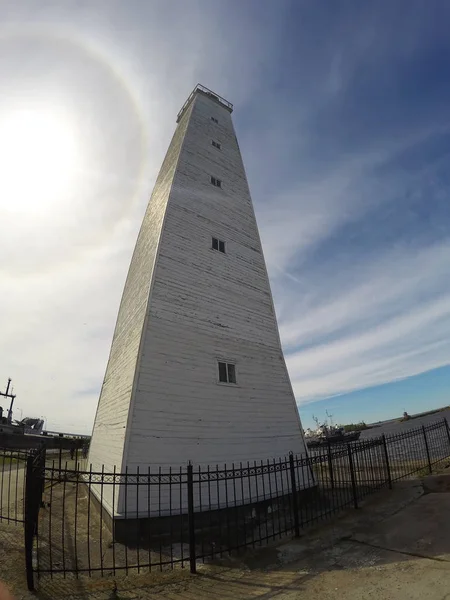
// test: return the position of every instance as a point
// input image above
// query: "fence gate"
(34, 487)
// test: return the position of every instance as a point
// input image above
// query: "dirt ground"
(396, 546)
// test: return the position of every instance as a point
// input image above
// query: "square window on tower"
(216, 144)
(214, 120)
(218, 245)
(216, 182)
(227, 372)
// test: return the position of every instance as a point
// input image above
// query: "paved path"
(396, 547)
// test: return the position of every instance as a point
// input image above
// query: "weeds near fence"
(101, 523)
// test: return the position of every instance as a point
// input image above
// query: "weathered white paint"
(184, 307)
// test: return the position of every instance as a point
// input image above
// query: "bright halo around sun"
(38, 155)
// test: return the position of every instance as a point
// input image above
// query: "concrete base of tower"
(221, 529)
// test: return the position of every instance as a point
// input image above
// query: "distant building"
(196, 370)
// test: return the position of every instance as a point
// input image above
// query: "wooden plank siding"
(185, 306)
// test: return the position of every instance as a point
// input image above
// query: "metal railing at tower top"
(208, 92)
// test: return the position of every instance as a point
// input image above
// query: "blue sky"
(342, 114)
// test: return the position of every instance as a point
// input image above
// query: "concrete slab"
(381, 575)
(422, 529)
(436, 483)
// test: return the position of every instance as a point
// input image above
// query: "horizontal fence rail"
(85, 522)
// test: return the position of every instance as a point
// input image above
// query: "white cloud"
(359, 319)
(392, 322)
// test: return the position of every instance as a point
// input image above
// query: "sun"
(38, 152)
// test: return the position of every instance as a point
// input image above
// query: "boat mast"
(330, 417)
(8, 395)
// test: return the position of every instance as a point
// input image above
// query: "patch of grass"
(6, 462)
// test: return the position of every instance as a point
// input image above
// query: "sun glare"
(37, 161)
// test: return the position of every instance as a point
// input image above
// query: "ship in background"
(27, 425)
(29, 431)
(328, 433)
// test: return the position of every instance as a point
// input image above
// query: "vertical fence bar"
(2, 479)
(170, 517)
(242, 499)
(88, 531)
(352, 475)
(209, 510)
(100, 538)
(388, 466)
(200, 509)
(271, 499)
(138, 481)
(227, 512)
(50, 509)
(219, 511)
(17, 487)
(277, 495)
(149, 540)
(266, 518)
(29, 522)
(190, 494)
(9, 484)
(75, 528)
(252, 509)
(63, 521)
(180, 480)
(294, 496)
(113, 524)
(40, 482)
(330, 466)
(284, 492)
(125, 491)
(424, 431)
(257, 501)
(236, 509)
(159, 514)
(447, 429)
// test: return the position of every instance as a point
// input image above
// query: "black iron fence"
(80, 521)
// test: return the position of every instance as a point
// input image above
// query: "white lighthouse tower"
(196, 371)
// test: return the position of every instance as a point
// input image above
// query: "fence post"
(352, 475)
(427, 448)
(29, 522)
(330, 466)
(308, 462)
(60, 454)
(388, 466)
(190, 491)
(447, 428)
(294, 495)
(42, 459)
